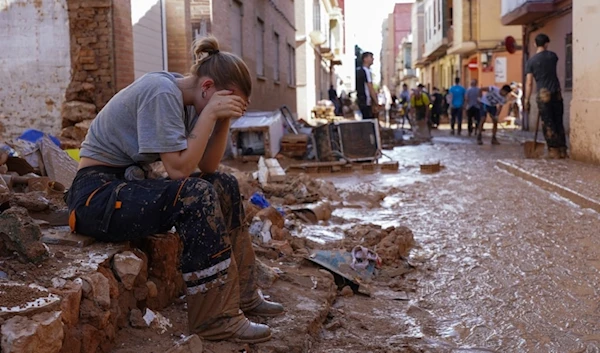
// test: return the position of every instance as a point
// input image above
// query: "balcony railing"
(518, 12)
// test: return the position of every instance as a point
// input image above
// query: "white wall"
(35, 65)
(148, 45)
(305, 58)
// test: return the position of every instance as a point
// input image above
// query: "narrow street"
(502, 265)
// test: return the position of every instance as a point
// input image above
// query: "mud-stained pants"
(551, 108)
(207, 212)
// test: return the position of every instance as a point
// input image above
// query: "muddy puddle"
(502, 266)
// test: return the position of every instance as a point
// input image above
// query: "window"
(260, 48)
(291, 65)
(435, 16)
(440, 15)
(277, 57)
(236, 28)
(316, 15)
(569, 62)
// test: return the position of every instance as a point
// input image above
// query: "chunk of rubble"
(96, 288)
(43, 333)
(20, 234)
(395, 245)
(127, 266)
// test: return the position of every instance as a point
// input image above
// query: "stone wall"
(35, 65)
(97, 298)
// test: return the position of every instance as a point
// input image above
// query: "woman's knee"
(197, 190)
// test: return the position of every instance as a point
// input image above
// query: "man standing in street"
(458, 100)
(492, 102)
(419, 107)
(365, 93)
(437, 101)
(542, 68)
(473, 110)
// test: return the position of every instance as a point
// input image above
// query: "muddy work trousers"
(208, 214)
(551, 108)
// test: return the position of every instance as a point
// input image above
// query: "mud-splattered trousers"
(551, 108)
(208, 214)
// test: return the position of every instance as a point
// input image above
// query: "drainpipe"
(470, 20)
(526, 32)
(163, 18)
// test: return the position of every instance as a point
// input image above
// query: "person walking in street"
(365, 93)
(517, 105)
(492, 101)
(419, 106)
(404, 103)
(473, 109)
(542, 68)
(437, 102)
(183, 122)
(457, 93)
(335, 100)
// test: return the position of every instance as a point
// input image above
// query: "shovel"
(534, 149)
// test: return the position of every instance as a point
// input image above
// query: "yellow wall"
(490, 29)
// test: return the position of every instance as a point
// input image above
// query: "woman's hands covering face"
(225, 105)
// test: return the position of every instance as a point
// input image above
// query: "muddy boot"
(251, 300)
(265, 308)
(562, 153)
(495, 141)
(553, 153)
(214, 313)
(479, 140)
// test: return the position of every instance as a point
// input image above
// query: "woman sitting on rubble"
(184, 122)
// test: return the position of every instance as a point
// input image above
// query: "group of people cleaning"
(424, 110)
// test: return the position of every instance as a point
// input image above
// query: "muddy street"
(502, 265)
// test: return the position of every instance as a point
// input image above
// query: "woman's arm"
(222, 106)
(216, 147)
(181, 164)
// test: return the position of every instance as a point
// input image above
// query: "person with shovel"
(182, 121)
(542, 68)
(492, 102)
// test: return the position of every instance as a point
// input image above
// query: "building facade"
(263, 34)
(478, 42)
(585, 105)
(319, 43)
(555, 19)
(395, 29)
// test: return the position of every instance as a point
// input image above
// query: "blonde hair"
(225, 69)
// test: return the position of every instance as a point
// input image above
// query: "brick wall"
(179, 35)
(100, 34)
(123, 43)
(278, 16)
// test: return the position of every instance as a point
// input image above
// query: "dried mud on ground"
(321, 316)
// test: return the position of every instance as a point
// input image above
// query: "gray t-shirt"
(472, 97)
(140, 122)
